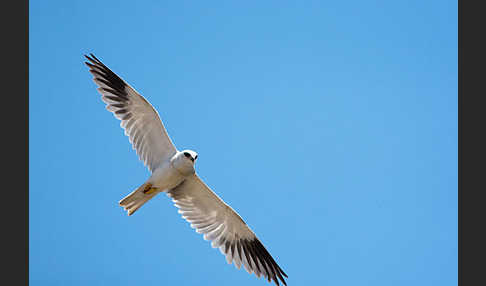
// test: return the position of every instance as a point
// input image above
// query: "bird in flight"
(173, 173)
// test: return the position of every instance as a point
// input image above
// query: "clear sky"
(330, 126)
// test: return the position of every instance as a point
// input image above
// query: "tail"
(138, 198)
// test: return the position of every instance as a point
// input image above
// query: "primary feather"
(139, 119)
(219, 223)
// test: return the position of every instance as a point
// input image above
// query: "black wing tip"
(263, 255)
(94, 61)
(91, 57)
(106, 75)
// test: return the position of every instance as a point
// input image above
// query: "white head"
(184, 161)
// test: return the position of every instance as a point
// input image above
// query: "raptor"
(173, 173)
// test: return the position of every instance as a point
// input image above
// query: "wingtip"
(92, 58)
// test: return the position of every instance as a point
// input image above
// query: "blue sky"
(330, 126)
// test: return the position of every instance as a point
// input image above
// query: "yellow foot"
(148, 189)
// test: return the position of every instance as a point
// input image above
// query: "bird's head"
(184, 161)
(190, 155)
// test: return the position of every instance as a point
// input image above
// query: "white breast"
(166, 177)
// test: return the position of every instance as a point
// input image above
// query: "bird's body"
(168, 175)
(173, 172)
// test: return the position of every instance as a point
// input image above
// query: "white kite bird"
(173, 172)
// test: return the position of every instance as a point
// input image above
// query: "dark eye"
(195, 157)
(187, 155)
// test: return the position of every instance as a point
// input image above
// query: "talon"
(148, 189)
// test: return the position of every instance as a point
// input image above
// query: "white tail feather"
(137, 198)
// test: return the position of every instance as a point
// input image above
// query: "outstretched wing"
(139, 119)
(219, 223)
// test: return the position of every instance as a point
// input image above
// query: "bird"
(173, 172)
